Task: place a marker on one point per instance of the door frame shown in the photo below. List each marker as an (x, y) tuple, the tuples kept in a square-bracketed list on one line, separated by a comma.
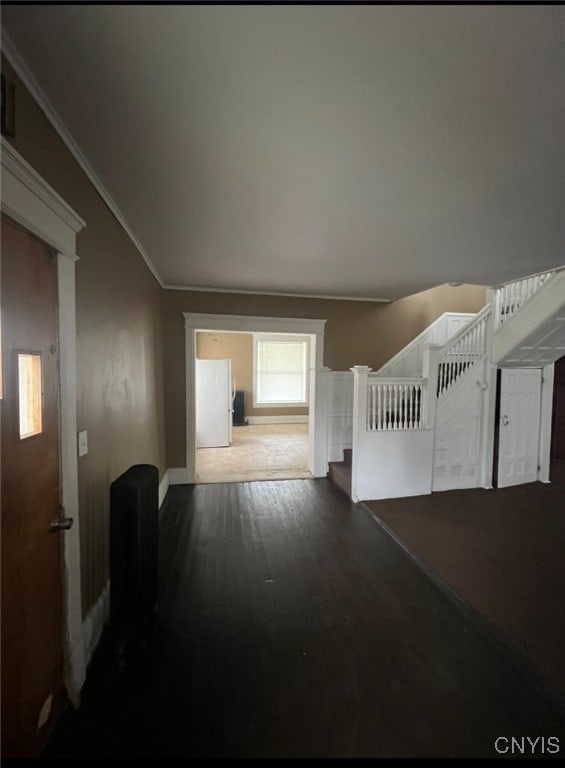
[(194, 322), (29, 200)]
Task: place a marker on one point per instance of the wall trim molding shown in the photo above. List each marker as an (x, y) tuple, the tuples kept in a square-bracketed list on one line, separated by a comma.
[(94, 623), (26, 76), (164, 487), (32, 202), (277, 419), (178, 476), (29, 200), (328, 297)]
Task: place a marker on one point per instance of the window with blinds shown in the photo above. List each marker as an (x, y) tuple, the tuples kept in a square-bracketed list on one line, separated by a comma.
[(281, 372)]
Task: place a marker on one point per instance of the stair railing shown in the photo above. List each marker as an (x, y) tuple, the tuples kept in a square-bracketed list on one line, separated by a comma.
[(408, 361), (394, 404), (464, 350), (511, 296)]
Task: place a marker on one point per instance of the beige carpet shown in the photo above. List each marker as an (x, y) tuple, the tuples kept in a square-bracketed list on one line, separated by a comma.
[(503, 551), (258, 452)]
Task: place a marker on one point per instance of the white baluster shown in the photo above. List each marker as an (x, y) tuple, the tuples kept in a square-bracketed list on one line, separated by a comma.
[(404, 403), (382, 406)]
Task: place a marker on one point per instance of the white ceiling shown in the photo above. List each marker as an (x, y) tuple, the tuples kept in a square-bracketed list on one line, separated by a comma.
[(367, 151)]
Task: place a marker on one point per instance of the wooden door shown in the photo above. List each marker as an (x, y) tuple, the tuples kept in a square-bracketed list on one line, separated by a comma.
[(32, 607), (519, 426)]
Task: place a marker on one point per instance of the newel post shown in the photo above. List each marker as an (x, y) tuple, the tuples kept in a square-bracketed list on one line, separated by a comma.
[(323, 404), (360, 394), (430, 371)]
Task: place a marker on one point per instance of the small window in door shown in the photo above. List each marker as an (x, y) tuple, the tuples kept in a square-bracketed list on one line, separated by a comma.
[(30, 400)]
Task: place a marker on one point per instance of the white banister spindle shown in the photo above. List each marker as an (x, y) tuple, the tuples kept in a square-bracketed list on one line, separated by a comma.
[(511, 296), (394, 404), (404, 404), (463, 351)]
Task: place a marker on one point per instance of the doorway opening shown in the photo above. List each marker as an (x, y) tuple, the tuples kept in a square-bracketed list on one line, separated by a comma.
[(251, 397)]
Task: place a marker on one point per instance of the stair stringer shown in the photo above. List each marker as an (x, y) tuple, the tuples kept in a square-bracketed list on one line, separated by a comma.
[(534, 336)]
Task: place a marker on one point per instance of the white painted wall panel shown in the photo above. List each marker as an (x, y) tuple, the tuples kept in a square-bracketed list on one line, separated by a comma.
[(389, 465), (340, 418), (457, 451)]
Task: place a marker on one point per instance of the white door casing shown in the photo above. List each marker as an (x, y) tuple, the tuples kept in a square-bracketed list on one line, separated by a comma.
[(519, 429), (317, 456), (29, 200)]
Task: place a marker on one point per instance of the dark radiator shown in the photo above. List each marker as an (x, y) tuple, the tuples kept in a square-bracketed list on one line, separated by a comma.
[(134, 541), (239, 408)]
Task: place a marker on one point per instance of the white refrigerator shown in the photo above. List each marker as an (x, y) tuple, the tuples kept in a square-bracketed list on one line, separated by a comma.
[(215, 390)]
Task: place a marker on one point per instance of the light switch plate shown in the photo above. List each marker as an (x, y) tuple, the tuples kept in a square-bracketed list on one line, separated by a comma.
[(82, 443)]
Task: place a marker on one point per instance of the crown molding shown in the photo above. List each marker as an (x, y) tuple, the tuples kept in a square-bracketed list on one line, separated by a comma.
[(24, 73), (330, 297)]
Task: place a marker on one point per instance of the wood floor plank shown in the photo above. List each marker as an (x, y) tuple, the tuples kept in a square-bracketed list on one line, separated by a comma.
[(292, 625)]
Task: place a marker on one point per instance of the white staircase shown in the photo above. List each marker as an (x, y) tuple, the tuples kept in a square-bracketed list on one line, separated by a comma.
[(425, 420)]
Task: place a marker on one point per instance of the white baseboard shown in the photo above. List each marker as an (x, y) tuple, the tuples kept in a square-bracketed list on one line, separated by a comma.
[(178, 476), (75, 671), (95, 622), (163, 487), (277, 419)]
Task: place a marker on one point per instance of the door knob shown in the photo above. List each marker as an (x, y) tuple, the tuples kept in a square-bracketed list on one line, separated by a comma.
[(61, 524), (505, 420)]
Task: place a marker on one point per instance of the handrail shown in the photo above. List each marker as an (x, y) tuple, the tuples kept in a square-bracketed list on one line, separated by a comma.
[(420, 340), (527, 277), (462, 352), (479, 317)]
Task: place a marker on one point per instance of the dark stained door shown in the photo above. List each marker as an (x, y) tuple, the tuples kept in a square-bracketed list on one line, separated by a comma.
[(557, 470), (32, 607)]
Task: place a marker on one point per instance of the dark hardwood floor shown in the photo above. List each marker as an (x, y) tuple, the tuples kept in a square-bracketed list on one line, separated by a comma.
[(291, 625)]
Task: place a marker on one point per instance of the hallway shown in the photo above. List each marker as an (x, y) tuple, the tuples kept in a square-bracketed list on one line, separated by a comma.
[(292, 625)]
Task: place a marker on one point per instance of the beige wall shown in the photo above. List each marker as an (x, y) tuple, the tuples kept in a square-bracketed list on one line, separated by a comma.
[(357, 333), (238, 347), (119, 341)]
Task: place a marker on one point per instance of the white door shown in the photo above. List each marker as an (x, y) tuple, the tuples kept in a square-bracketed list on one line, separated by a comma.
[(520, 404), (213, 403)]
